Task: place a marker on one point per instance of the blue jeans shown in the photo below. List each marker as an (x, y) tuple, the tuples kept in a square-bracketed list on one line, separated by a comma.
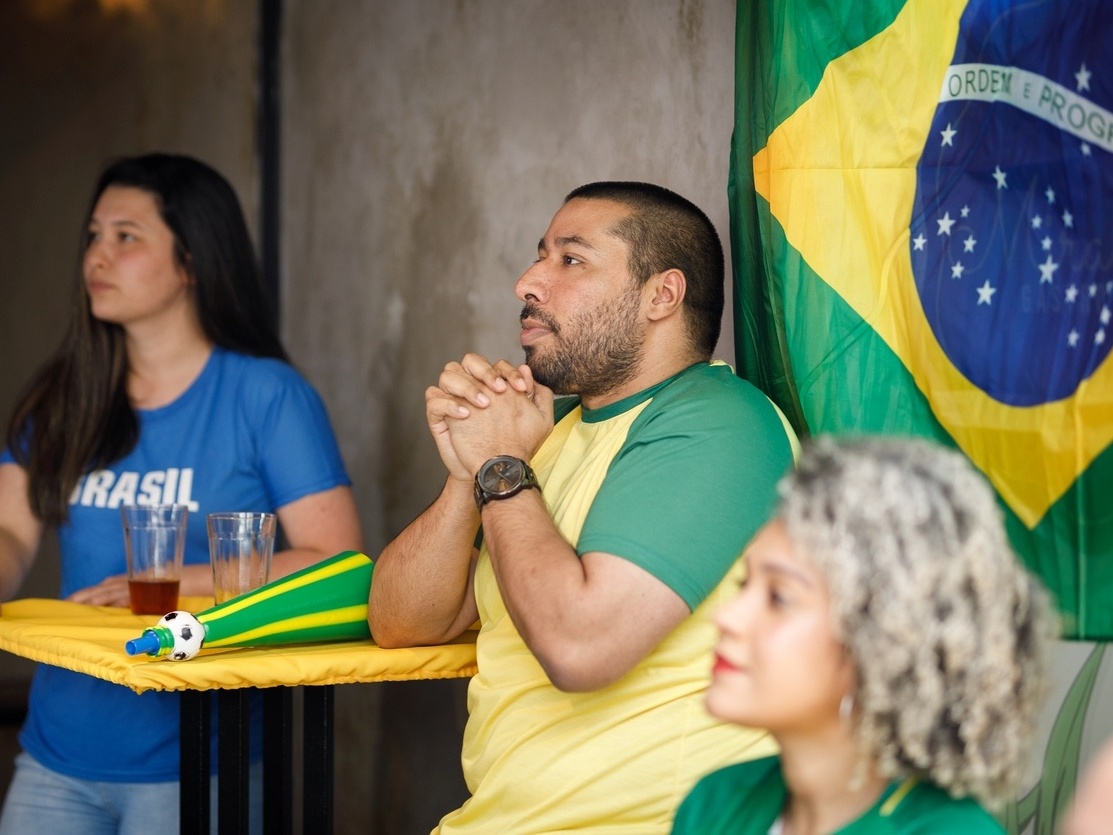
[(44, 802)]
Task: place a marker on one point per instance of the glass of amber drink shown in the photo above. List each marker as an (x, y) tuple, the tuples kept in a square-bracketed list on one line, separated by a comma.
[(154, 538)]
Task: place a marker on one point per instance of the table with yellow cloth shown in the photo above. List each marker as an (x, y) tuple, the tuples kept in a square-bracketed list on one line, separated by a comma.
[(90, 639)]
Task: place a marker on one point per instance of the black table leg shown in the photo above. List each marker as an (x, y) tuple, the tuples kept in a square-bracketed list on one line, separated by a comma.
[(318, 774), (234, 760), (193, 758), (278, 760), (234, 765)]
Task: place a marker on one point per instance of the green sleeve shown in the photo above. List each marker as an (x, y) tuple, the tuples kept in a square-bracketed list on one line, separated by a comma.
[(694, 480)]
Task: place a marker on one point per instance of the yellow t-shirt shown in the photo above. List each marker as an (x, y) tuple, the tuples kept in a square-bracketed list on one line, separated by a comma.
[(620, 759)]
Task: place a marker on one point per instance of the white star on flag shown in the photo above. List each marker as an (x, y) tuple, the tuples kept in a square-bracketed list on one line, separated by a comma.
[(1047, 270), (1083, 78), (985, 293), (945, 224)]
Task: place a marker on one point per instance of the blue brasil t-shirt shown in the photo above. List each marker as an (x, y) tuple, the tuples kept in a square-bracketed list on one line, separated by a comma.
[(249, 434)]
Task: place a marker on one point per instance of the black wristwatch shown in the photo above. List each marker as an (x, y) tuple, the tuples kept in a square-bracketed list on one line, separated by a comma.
[(502, 477)]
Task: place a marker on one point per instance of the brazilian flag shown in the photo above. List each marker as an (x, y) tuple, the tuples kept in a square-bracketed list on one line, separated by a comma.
[(922, 227)]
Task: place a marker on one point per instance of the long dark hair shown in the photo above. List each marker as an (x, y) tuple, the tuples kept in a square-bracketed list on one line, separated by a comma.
[(75, 415)]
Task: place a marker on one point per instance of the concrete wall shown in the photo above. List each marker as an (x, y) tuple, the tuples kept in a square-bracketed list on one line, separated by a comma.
[(425, 146)]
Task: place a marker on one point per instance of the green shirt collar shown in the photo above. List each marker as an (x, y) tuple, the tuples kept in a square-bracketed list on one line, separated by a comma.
[(625, 404)]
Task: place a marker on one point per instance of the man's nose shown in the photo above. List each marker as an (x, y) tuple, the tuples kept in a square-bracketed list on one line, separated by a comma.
[(531, 285)]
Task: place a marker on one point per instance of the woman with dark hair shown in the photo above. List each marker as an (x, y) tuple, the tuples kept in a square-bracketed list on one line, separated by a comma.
[(891, 643), (171, 386)]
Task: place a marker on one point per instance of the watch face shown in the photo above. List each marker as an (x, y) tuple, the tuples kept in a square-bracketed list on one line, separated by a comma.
[(501, 474)]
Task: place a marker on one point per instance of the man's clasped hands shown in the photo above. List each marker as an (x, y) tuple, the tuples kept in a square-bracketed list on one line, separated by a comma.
[(479, 410)]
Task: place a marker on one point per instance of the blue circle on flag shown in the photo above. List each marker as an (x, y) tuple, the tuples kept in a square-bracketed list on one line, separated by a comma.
[(1010, 238)]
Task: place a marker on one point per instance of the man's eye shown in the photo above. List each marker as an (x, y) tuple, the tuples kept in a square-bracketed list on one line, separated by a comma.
[(571, 260)]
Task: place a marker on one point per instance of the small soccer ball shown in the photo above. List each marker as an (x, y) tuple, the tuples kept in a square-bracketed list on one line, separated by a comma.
[(188, 633)]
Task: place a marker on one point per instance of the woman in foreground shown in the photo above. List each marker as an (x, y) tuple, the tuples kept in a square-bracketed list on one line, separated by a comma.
[(890, 642)]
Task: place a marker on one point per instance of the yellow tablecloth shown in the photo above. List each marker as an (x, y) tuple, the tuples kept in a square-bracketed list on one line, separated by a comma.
[(90, 639)]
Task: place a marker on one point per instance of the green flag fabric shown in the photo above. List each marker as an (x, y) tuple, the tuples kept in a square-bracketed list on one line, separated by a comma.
[(922, 234)]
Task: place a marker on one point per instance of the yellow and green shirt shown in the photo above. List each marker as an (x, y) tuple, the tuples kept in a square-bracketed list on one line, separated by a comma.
[(676, 479)]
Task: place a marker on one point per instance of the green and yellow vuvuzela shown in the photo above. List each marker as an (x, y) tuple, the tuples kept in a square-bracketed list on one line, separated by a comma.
[(324, 602)]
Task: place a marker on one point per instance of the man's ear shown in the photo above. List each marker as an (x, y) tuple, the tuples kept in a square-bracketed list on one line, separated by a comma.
[(665, 292)]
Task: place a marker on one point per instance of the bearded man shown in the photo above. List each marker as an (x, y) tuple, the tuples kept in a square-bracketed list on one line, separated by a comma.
[(612, 517)]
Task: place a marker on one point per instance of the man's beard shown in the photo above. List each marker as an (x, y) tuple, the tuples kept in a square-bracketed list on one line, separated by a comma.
[(592, 354)]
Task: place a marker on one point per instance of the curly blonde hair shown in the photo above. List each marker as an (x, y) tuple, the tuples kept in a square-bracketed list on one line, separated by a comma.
[(946, 628)]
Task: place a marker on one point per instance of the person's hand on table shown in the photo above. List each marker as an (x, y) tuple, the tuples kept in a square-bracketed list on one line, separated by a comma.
[(111, 591)]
